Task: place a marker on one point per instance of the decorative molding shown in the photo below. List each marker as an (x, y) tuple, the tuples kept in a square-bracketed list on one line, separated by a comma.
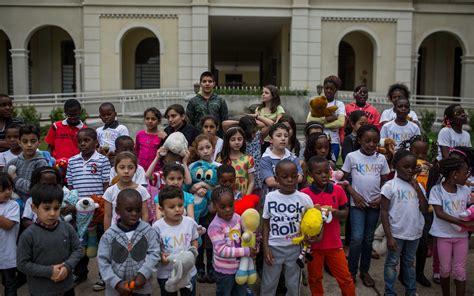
[(139, 15), (467, 60), (358, 19)]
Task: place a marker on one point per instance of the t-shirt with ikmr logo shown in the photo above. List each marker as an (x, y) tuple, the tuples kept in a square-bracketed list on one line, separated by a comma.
[(285, 213)]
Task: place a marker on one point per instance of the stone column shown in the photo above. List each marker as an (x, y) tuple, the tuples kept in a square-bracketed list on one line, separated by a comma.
[(467, 85), (79, 56), (299, 48), (414, 78), (200, 39), (20, 71)]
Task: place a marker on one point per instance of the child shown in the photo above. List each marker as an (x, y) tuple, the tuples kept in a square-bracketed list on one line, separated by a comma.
[(332, 123), (449, 197), (357, 119), (12, 136), (176, 233), (396, 91), (318, 144), (361, 94), (6, 111), (329, 247), (282, 213), (210, 127), (177, 123), (402, 205), (401, 128), (111, 130), (225, 233), (27, 161), (174, 176), (137, 241), (89, 171), (147, 141), (206, 102), (233, 153), (270, 108), (49, 249), (61, 137), (452, 134), (125, 166), (9, 227), (368, 171), (309, 129), (293, 143), (226, 176), (279, 134), (125, 143)]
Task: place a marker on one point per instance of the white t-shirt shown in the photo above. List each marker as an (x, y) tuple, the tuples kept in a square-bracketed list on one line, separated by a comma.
[(285, 213), (449, 138), (5, 157), (28, 211), (366, 171), (399, 133), (139, 177), (389, 115), (341, 110), (111, 194), (218, 148), (108, 136), (453, 204), (173, 239), (10, 210), (406, 220)]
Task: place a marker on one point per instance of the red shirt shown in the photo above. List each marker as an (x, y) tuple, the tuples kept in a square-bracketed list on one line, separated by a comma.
[(333, 196), (63, 138), (371, 112)]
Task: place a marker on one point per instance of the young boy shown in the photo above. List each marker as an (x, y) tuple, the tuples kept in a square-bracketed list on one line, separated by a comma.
[(61, 137), (329, 249), (29, 160), (129, 250), (125, 143), (279, 135), (176, 233), (12, 136), (226, 177), (49, 249), (206, 102), (282, 213), (6, 110), (111, 130)]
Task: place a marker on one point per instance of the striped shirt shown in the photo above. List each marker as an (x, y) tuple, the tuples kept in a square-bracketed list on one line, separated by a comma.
[(88, 176), (226, 239)]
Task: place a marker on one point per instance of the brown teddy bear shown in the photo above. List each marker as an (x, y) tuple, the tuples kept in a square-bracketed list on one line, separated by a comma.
[(319, 107)]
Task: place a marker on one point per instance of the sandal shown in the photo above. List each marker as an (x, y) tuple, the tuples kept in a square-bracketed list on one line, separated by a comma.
[(367, 280)]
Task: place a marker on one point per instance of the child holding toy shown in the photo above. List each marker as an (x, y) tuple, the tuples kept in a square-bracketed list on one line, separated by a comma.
[(329, 250), (111, 130), (282, 213), (176, 233), (129, 274)]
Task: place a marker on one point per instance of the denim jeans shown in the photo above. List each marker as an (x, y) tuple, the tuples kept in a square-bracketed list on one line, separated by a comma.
[(226, 285), (182, 292), (335, 150), (363, 224), (406, 249), (9, 281)]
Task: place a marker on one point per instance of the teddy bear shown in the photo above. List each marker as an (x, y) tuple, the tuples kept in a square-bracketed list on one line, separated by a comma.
[(180, 277), (387, 147), (246, 274), (310, 226), (176, 143), (319, 107), (467, 215), (70, 198)]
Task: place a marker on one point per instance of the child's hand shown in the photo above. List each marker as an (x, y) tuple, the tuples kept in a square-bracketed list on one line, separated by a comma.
[(358, 201), (68, 209), (391, 244), (201, 192), (268, 255), (63, 273), (252, 253), (164, 258), (375, 204), (122, 288), (160, 151), (186, 155), (56, 272), (140, 281)]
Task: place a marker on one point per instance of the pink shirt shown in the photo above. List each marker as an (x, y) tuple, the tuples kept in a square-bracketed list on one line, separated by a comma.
[(370, 111), (146, 146)]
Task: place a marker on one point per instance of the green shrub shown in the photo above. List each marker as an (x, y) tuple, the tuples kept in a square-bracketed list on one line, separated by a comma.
[(427, 120), (58, 114), (30, 115), (257, 91), (471, 120)]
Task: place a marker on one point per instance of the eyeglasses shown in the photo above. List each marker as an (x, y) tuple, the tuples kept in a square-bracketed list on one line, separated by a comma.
[(72, 116)]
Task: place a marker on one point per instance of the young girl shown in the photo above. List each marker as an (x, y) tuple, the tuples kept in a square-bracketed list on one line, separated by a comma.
[(147, 141), (402, 205), (401, 128), (452, 134), (174, 175), (293, 143), (318, 144), (233, 153), (210, 127), (449, 197), (125, 166), (357, 119), (310, 128), (396, 91), (368, 171), (270, 108), (176, 115), (225, 234)]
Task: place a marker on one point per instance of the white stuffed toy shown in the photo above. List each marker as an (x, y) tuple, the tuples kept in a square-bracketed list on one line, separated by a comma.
[(176, 143), (85, 209), (70, 198), (180, 277)]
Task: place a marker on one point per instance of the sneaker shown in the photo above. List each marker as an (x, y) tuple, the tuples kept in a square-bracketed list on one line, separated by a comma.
[(99, 285), (79, 279), (201, 276), (436, 278), (211, 278)]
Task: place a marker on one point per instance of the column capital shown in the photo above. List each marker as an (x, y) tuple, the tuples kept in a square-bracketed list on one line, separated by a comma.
[(19, 53), (415, 58), (78, 53), (467, 60)]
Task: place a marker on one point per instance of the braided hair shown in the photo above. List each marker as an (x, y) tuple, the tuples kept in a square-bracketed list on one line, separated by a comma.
[(449, 114), (219, 191), (408, 144), (401, 153), (442, 169)]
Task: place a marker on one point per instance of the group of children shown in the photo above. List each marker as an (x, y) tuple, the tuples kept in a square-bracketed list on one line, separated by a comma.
[(153, 203)]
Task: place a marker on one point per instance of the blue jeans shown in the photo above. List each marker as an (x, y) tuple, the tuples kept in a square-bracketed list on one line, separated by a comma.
[(182, 292), (363, 224), (226, 285), (406, 249), (335, 150)]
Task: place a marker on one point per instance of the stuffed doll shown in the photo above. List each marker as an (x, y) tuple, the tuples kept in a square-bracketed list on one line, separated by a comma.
[(326, 212), (337, 177), (246, 274), (310, 226), (467, 215), (319, 107), (70, 198), (180, 277), (202, 171), (379, 245), (249, 201), (61, 166), (85, 209), (387, 147), (176, 143)]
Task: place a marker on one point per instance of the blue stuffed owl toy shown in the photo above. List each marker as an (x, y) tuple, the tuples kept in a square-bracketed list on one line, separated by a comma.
[(202, 171)]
